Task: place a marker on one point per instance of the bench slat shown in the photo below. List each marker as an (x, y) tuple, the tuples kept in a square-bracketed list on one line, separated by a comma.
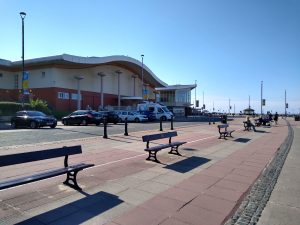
[(43, 175), (7, 160), (152, 137)]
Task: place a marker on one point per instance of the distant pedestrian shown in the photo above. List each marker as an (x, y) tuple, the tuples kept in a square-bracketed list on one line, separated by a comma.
[(276, 118)]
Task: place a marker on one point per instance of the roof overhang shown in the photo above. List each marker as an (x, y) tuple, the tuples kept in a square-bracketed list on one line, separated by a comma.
[(76, 62)]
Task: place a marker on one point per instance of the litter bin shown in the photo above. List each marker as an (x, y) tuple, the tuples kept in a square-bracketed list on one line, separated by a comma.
[(297, 118)]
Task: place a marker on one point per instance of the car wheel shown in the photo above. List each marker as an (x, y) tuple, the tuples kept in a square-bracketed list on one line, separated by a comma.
[(33, 125), (163, 118), (137, 120), (84, 123), (98, 123), (13, 125), (120, 120), (53, 126), (65, 122)]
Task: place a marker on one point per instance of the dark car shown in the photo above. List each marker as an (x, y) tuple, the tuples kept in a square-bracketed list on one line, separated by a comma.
[(32, 119), (151, 116), (83, 117), (111, 116)]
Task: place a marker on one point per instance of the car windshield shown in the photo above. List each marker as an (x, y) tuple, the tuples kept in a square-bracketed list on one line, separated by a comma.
[(165, 109), (35, 113)]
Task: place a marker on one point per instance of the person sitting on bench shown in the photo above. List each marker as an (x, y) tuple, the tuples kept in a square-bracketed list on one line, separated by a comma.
[(250, 123)]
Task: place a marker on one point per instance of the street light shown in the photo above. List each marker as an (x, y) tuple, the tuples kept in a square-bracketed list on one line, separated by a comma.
[(119, 97), (23, 15), (101, 75), (142, 76), (78, 78)]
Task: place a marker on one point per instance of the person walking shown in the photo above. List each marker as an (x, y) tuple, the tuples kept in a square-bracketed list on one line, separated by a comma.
[(276, 118)]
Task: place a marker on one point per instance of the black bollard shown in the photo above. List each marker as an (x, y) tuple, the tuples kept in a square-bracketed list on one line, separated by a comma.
[(172, 128), (105, 127), (126, 130), (161, 129)]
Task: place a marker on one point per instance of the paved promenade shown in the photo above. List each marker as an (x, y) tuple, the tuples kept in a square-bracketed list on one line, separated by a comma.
[(205, 186)]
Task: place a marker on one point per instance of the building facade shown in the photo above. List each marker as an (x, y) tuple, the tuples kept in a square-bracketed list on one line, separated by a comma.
[(62, 80)]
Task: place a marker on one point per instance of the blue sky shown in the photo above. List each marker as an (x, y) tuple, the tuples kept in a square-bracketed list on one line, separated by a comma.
[(229, 46)]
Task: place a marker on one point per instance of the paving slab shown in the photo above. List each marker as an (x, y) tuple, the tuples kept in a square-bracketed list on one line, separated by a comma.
[(204, 186)]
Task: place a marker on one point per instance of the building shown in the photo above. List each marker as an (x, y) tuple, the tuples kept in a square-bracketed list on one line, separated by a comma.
[(176, 97), (70, 82)]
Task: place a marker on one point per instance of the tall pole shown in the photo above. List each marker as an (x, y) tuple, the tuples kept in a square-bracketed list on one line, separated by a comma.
[(261, 97), (195, 93), (23, 15), (285, 103), (249, 102), (229, 106), (101, 75), (142, 76), (203, 99), (119, 96)]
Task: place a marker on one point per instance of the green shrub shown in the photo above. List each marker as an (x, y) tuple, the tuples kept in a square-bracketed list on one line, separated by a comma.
[(10, 108), (59, 114)]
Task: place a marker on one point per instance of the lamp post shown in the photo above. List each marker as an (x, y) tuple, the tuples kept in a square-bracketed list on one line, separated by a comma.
[(261, 97), (78, 78), (142, 76), (101, 75), (119, 97), (285, 105), (23, 15)]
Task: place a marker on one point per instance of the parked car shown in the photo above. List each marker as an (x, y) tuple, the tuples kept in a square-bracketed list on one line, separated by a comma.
[(150, 115), (132, 116), (111, 116), (32, 119), (83, 117)]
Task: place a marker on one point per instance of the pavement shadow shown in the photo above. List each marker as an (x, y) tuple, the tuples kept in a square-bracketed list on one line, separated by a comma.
[(261, 131), (187, 164), (242, 140), (77, 212)]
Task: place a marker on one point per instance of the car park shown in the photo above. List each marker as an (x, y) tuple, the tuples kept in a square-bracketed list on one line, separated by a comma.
[(132, 116), (32, 119), (83, 117)]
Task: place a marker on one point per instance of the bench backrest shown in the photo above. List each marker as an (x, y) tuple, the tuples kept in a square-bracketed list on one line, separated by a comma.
[(152, 137), (6, 160), (223, 126)]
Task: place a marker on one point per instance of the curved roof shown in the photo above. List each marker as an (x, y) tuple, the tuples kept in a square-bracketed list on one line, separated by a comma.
[(78, 62)]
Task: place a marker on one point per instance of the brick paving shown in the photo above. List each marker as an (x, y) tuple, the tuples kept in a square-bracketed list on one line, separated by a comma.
[(204, 186)]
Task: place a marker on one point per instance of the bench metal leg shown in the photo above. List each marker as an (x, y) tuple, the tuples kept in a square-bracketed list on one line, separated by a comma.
[(174, 150), (152, 155), (71, 176)]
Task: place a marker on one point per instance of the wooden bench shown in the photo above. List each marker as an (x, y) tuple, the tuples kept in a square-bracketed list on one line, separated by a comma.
[(19, 158), (153, 150), (223, 131), (247, 125)]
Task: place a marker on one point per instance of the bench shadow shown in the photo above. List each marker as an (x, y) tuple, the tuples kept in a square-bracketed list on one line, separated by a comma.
[(242, 140), (261, 131), (77, 212), (187, 164)]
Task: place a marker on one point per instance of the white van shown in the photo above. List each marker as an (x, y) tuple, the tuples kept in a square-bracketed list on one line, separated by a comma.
[(160, 111)]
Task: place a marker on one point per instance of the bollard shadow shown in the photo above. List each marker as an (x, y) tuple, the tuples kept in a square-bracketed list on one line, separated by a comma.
[(77, 212), (261, 131), (187, 164), (189, 149), (242, 140)]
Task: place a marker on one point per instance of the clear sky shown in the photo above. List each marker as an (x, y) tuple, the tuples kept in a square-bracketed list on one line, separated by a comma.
[(229, 46)]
